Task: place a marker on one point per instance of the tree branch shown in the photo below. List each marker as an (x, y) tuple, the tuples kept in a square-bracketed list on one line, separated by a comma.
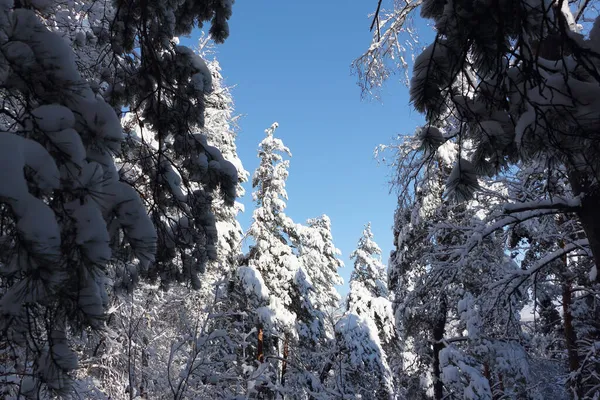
[(558, 203)]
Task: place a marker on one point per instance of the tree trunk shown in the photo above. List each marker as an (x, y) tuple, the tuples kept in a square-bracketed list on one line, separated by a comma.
[(438, 335), (570, 335), (286, 349), (569, 329), (260, 352), (145, 364), (488, 375), (501, 386), (589, 216), (589, 213)]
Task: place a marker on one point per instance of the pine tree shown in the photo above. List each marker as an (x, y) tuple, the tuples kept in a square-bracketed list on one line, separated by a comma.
[(270, 260), (75, 215), (314, 295), (173, 343), (368, 276), (369, 296), (220, 128), (366, 338), (289, 277), (457, 320), (514, 94), (271, 255), (495, 82)]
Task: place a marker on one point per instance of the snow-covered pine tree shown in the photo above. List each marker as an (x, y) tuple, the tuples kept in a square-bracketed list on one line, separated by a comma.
[(220, 127), (368, 279), (211, 362), (125, 66), (513, 93), (286, 285), (460, 324), (174, 343), (74, 223), (269, 269), (519, 89), (314, 296), (319, 259), (359, 369), (366, 340), (545, 249), (369, 296)]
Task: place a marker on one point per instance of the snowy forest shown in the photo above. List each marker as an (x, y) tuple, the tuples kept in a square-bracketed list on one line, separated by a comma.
[(125, 272)]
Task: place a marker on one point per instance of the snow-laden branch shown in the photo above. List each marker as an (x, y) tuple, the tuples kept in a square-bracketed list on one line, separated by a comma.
[(556, 203), (581, 244), (506, 220)]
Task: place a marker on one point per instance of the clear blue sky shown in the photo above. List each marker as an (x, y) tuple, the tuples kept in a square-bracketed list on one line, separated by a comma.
[(290, 62)]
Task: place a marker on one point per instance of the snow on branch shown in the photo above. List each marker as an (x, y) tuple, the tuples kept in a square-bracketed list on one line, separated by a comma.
[(557, 203), (523, 275)]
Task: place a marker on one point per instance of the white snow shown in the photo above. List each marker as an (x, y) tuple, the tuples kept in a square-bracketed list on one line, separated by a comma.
[(36, 221), (253, 282), (53, 117)]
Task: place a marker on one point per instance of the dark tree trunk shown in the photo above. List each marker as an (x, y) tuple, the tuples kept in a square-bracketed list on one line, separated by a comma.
[(570, 335), (488, 375), (568, 328), (589, 216), (589, 212), (438, 335), (286, 350)]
